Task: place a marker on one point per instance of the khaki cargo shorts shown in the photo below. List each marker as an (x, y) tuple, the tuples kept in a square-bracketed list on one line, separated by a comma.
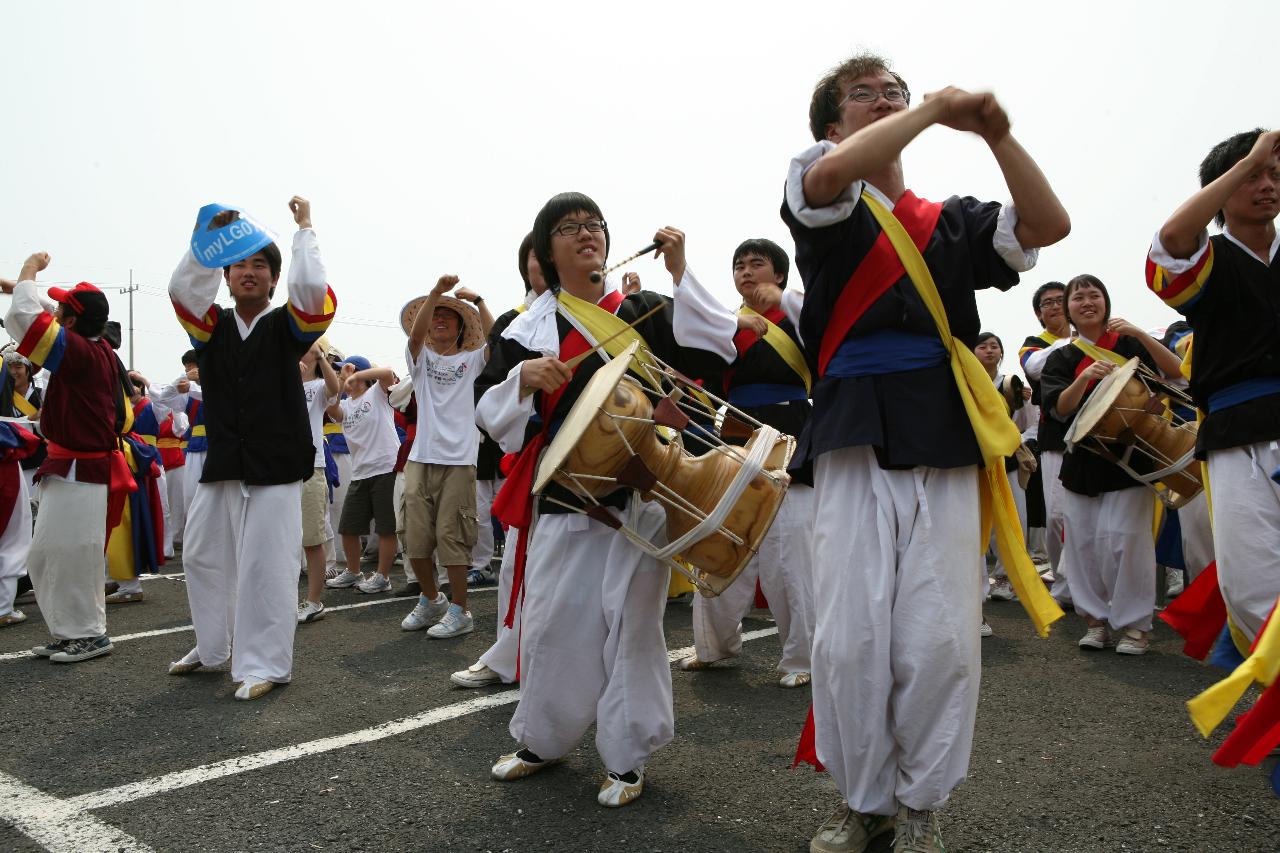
[(439, 514)]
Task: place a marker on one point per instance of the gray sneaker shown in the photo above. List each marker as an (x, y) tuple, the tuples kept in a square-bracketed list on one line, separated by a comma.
[(345, 580), (454, 624), (426, 612), (374, 584), (917, 832), (82, 649), (847, 831), (50, 649)]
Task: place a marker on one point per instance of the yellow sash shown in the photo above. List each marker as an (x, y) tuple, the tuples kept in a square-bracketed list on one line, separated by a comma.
[(784, 347), (23, 405), (603, 326), (1097, 353), (1048, 337), (997, 435)]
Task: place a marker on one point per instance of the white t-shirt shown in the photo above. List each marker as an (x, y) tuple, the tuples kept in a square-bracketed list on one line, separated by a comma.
[(370, 428), (445, 389), (313, 391)]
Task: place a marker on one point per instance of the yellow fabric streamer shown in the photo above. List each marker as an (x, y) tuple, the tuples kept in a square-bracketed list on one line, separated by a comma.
[(997, 435), (784, 347), (1211, 707), (120, 562)]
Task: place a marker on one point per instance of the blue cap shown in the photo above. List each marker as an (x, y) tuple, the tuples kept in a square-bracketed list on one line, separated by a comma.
[(359, 362), (233, 242)]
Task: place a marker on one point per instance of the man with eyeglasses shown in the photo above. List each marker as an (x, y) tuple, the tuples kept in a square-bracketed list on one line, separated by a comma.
[(896, 657), (1051, 434)]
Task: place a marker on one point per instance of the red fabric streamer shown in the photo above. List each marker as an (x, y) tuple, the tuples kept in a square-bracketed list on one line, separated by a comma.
[(1198, 614)]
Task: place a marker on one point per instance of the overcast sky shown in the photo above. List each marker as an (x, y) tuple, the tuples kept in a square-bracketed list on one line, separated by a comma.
[(428, 136)]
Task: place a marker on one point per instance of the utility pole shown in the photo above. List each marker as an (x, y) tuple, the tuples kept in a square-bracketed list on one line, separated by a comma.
[(131, 289)]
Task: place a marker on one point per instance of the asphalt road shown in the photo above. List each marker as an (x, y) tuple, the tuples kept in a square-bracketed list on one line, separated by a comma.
[(1074, 751)]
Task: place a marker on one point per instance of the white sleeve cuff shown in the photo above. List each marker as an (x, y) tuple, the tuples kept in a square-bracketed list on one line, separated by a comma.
[(193, 286), (818, 217), (503, 413), (1006, 244), (700, 321), (1177, 266)]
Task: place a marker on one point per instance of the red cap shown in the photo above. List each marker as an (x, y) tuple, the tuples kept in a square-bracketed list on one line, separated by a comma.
[(72, 297)]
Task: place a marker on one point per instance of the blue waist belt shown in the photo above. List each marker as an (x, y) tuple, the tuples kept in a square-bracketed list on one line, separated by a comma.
[(1243, 392), (889, 351), (765, 394)]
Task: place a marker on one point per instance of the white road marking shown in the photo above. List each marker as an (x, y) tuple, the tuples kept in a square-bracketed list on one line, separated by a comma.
[(59, 826), (178, 629), (245, 763)]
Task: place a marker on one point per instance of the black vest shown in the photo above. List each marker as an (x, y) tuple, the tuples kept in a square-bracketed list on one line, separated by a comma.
[(254, 412)]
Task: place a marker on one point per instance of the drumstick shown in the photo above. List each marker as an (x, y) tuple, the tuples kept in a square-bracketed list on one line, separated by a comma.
[(577, 359), (597, 277)]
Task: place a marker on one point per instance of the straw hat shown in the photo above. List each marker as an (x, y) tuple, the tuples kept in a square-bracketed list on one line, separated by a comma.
[(472, 333)]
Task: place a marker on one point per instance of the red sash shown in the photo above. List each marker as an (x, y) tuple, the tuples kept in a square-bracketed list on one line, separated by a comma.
[(513, 505), (118, 490), (745, 339), (880, 270), (1107, 341)]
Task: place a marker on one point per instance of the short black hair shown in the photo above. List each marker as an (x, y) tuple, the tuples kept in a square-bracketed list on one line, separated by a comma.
[(983, 337), (556, 208), (1086, 280), (274, 261), (189, 357), (526, 246), (1223, 156), (1041, 291), (824, 106), (766, 249)]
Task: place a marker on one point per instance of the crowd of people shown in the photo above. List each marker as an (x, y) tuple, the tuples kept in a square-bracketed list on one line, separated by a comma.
[(275, 452)]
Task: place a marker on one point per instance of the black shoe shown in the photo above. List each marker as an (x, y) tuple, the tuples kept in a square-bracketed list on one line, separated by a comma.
[(49, 650), (82, 649), (410, 588)]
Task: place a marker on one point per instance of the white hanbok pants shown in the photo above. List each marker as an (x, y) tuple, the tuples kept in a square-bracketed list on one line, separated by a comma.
[(1246, 531), (1020, 501), (176, 512), (1050, 468), (1110, 556), (784, 567), (1197, 535), (67, 557), (592, 648), (501, 656), (896, 661), (482, 551), (15, 543), (241, 561), (192, 471)]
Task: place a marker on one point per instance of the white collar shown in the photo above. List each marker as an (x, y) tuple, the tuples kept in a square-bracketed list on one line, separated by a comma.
[(535, 329), (1275, 244)]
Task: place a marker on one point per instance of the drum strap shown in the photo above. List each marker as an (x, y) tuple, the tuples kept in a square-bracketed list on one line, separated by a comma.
[(997, 435), (781, 342)]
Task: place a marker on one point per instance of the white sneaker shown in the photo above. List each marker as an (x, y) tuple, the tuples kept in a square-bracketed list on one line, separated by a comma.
[(455, 623), (616, 792), (795, 679), (375, 584), (917, 832), (985, 629), (425, 612), (1094, 638), (310, 611), (1173, 583), (1002, 590), (476, 675), (252, 688), (345, 580), (1133, 642)]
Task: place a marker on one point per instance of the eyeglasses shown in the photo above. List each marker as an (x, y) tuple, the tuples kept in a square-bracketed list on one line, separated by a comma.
[(1051, 302), (569, 229), (867, 95)]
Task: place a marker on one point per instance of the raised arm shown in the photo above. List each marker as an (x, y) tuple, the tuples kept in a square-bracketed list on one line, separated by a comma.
[(312, 303), (422, 322), (384, 376), (1166, 360), (30, 318), (1181, 234), (331, 384), (866, 152)]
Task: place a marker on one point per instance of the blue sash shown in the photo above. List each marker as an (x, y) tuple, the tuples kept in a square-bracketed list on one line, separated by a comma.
[(888, 351), (765, 394), (1243, 392)]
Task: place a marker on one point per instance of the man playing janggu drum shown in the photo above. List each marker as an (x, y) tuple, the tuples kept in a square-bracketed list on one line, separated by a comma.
[(591, 642), (897, 488)]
